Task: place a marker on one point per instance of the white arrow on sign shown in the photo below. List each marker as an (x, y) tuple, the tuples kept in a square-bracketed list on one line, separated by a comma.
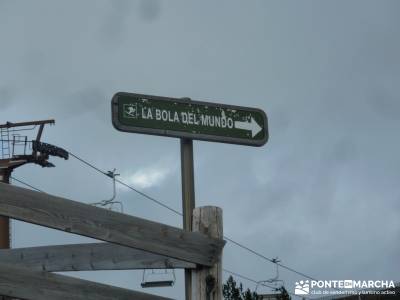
[(251, 126)]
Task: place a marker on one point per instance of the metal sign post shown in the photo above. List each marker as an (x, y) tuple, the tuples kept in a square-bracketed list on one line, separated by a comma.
[(188, 199)]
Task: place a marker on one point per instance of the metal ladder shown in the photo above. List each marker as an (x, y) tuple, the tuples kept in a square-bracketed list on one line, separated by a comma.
[(5, 142)]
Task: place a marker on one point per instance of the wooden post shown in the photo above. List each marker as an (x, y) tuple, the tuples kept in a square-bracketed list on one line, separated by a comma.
[(207, 282)]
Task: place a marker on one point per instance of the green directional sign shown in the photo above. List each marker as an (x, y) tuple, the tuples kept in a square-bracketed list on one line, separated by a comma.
[(184, 118)]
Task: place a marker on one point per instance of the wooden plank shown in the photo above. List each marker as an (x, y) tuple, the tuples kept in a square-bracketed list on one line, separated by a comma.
[(38, 285), (102, 224), (88, 257)]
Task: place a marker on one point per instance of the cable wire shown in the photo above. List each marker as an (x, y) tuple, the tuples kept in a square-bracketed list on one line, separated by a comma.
[(248, 278), (257, 282), (26, 184), (149, 197), (180, 214), (268, 259), (127, 185)]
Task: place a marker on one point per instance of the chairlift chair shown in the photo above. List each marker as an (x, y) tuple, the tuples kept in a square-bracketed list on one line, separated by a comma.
[(109, 203), (275, 280), (146, 283)]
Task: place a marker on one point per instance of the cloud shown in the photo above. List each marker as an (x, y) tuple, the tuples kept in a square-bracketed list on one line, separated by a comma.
[(76, 103), (150, 176), (6, 96), (114, 26)]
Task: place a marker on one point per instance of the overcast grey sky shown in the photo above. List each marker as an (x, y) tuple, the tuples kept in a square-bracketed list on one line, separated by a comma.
[(323, 195)]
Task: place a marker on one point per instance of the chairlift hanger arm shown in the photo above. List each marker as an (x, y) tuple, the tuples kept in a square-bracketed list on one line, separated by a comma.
[(111, 201)]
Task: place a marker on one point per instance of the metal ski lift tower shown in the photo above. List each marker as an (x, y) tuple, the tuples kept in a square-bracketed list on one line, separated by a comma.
[(17, 150)]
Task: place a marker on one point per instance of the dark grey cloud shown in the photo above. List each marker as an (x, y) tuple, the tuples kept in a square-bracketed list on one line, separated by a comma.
[(149, 10), (385, 101), (86, 101), (34, 62), (7, 95), (114, 26)]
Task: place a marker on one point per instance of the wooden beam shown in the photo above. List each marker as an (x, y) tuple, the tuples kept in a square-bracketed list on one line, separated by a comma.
[(102, 224), (88, 257), (35, 285)]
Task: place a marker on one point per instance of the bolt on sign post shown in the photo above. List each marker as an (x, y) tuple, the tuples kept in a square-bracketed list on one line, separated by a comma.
[(189, 120)]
